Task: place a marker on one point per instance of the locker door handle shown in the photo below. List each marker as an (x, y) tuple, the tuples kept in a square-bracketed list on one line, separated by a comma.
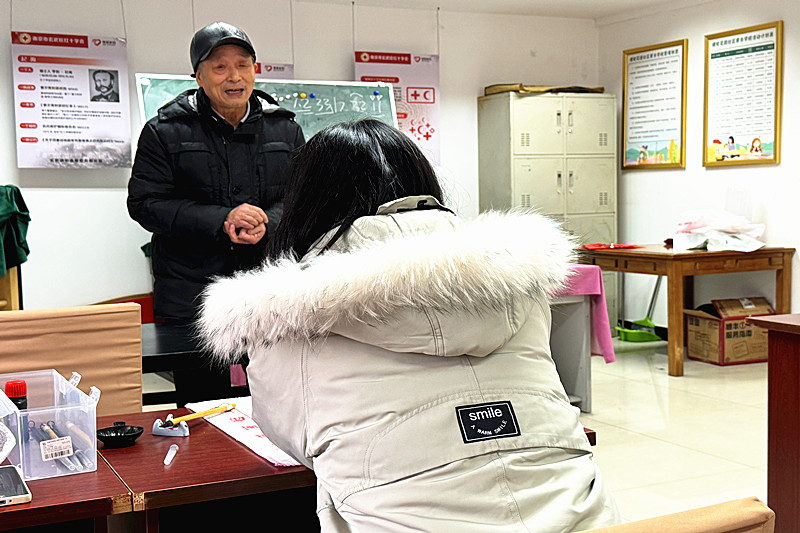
[(559, 181), (558, 118), (571, 180), (570, 119)]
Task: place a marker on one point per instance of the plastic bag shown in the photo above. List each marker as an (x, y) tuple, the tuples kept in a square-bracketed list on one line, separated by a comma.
[(717, 230)]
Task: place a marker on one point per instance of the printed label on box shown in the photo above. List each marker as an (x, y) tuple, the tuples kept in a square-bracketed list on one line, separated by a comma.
[(56, 448)]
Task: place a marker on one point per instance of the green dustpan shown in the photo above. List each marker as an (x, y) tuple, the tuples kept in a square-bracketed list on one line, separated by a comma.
[(643, 330), (636, 335)]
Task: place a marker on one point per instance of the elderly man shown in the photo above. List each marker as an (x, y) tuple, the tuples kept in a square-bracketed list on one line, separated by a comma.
[(104, 85), (209, 174)]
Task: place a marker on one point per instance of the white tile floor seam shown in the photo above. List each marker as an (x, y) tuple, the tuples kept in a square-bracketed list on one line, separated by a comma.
[(667, 444)]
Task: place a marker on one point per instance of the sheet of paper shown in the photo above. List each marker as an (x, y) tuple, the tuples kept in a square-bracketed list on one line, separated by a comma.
[(238, 424)]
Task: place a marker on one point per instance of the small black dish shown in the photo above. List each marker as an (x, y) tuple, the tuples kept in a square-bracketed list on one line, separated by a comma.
[(119, 435)]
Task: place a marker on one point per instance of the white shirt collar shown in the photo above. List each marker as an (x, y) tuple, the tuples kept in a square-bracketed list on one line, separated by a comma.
[(246, 113)]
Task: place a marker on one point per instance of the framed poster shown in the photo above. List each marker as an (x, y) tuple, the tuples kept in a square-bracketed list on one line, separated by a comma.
[(744, 82), (654, 106)]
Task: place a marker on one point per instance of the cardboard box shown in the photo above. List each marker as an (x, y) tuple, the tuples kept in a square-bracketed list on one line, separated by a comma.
[(65, 410), (727, 339)]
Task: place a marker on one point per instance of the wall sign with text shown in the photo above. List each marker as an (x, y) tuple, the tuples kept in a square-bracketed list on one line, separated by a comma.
[(743, 82), (654, 106), (71, 101), (415, 79)]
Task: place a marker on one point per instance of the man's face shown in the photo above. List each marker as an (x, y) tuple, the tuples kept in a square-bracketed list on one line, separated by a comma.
[(227, 77), (102, 82)]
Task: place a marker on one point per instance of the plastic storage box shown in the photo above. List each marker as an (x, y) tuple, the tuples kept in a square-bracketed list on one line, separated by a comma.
[(56, 433)]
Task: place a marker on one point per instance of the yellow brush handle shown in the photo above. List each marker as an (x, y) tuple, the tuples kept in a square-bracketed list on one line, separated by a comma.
[(215, 410)]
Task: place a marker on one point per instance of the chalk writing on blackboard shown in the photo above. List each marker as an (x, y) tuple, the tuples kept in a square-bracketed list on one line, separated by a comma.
[(316, 104)]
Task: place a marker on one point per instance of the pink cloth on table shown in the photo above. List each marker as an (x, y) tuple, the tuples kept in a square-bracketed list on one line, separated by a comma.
[(238, 376), (588, 280)]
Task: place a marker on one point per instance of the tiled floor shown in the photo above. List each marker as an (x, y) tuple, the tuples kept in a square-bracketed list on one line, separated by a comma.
[(667, 444)]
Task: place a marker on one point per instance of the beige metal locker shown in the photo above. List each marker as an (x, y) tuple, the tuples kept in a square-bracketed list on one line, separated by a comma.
[(556, 153)]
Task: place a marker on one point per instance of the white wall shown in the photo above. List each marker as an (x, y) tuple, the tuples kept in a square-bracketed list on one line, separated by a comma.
[(85, 249), (651, 201)]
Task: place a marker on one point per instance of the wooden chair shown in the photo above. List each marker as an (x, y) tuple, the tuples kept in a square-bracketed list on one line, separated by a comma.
[(103, 343), (10, 293), (747, 515)]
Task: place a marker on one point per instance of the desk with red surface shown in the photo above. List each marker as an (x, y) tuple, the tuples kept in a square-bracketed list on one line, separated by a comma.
[(209, 465), (88, 495), (783, 417)]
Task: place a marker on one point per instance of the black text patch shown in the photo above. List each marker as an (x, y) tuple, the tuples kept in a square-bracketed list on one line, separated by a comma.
[(483, 421)]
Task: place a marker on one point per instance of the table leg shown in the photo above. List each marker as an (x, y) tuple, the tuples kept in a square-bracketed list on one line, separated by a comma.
[(675, 302), (151, 520), (783, 287)]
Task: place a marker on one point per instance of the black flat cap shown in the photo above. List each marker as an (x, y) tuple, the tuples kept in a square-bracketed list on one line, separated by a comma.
[(217, 34)]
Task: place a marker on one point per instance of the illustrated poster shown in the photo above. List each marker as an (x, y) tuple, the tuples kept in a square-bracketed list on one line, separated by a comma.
[(742, 96), (655, 106), (415, 79), (71, 101)]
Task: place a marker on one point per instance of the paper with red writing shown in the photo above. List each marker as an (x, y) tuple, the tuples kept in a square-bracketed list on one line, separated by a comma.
[(238, 424)]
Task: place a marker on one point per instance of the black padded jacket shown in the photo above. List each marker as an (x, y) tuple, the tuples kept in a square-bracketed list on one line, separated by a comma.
[(191, 168)]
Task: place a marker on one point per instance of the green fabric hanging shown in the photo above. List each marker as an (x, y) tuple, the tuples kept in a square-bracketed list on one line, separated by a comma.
[(14, 219)]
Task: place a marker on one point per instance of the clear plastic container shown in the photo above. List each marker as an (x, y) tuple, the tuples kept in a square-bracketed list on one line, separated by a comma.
[(56, 434)]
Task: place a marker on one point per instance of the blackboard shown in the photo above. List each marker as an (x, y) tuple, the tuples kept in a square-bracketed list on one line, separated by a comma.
[(316, 103)]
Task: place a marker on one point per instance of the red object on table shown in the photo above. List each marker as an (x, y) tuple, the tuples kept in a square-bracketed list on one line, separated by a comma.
[(603, 246)]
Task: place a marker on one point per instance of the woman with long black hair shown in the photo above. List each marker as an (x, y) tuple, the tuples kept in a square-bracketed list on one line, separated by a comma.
[(403, 353)]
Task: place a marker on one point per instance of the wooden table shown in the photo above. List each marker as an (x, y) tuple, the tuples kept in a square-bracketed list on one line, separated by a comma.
[(209, 465), (783, 417), (680, 267), (92, 495)]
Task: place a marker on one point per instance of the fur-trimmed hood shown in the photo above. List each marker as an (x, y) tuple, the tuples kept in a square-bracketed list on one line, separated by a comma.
[(390, 273)]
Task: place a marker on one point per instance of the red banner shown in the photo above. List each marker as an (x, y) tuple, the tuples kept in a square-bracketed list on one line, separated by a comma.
[(383, 57), (49, 39)]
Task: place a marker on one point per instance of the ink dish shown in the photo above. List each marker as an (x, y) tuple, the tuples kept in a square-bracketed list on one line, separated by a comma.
[(120, 435)]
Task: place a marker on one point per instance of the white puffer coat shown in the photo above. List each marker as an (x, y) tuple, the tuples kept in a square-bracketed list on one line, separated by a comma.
[(410, 368)]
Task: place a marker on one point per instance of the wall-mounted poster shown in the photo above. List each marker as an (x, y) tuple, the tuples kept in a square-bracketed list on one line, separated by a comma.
[(415, 79), (743, 81), (71, 101), (654, 106)]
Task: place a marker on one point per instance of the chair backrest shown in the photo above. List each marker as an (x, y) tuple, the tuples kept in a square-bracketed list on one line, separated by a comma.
[(145, 300), (103, 343), (746, 515)]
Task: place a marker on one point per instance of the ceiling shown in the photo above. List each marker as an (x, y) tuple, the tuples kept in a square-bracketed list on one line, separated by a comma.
[(590, 9)]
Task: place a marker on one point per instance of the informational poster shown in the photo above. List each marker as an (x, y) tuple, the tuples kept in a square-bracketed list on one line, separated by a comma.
[(275, 71), (743, 96), (415, 79), (71, 101), (654, 106)]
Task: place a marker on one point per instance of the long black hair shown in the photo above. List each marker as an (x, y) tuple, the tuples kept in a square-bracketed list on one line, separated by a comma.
[(344, 172)]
